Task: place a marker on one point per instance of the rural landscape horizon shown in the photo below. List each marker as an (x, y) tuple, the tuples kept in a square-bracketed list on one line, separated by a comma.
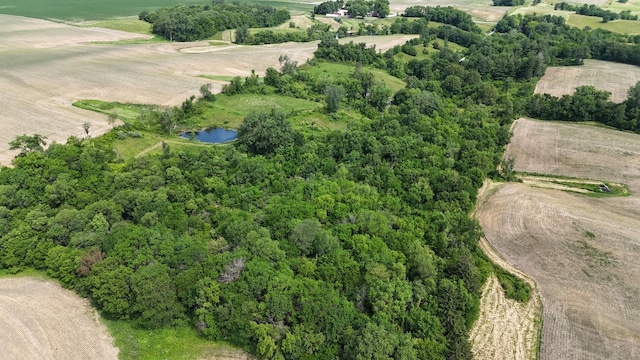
[(368, 179)]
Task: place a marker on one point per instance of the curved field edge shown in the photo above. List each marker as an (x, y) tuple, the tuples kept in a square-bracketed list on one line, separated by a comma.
[(41, 320), (505, 328), (109, 339)]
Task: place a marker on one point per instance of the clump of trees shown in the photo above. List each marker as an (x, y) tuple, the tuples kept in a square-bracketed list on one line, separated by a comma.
[(593, 10), (197, 22), (447, 15), (589, 104), (508, 2), (356, 8)]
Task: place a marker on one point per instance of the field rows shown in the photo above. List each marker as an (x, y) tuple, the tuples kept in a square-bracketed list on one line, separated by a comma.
[(41, 320), (581, 251)]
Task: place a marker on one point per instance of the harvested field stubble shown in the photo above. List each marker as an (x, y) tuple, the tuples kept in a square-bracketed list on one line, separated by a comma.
[(41, 320), (46, 66), (505, 329), (581, 251), (603, 75)]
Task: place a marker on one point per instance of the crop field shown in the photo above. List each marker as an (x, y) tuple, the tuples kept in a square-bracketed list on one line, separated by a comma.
[(505, 329), (581, 250), (604, 75), (45, 67), (70, 10), (41, 320)]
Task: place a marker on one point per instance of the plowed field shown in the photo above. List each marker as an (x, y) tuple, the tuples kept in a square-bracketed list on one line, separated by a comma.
[(581, 251), (603, 75), (41, 320)]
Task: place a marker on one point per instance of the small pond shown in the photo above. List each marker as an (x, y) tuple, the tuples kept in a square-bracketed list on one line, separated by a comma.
[(213, 135)]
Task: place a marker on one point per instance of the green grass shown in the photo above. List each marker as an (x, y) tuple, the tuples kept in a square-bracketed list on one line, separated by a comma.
[(74, 10), (514, 287), (592, 189), (20, 272), (229, 111), (618, 26), (217, 77), (172, 343), (334, 70), (125, 111), (426, 51), (129, 24)]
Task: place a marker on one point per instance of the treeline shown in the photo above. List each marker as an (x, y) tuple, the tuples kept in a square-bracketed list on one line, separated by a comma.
[(589, 104), (315, 32), (197, 22), (355, 8), (447, 15), (508, 2), (320, 31), (593, 10)]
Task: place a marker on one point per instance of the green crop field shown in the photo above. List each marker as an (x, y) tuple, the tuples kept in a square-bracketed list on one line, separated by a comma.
[(74, 10), (71, 10)]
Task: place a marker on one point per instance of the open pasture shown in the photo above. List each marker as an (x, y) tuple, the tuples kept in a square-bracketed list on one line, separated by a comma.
[(604, 75), (70, 10), (45, 67), (41, 320), (582, 251)]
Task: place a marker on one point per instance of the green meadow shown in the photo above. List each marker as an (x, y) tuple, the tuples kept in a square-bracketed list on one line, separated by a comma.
[(76, 10)]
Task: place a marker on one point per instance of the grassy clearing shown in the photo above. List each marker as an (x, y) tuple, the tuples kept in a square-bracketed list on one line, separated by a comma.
[(340, 71), (593, 188), (73, 10), (424, 52), (514, 287), (133, 25), (229, 111), (172, 343), (618, 26), (125, 111), (226, 112)]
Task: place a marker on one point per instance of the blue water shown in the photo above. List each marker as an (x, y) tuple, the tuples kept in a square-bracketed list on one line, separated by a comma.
[(214, 135)]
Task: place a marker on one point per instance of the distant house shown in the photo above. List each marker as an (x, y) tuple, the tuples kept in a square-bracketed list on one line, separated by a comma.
[(340, 13)]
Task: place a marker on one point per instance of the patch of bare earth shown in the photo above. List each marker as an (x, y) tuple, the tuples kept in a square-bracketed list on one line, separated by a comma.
[(505, 329), (581, 251), (41, 320), (603, 75), (46, 66)]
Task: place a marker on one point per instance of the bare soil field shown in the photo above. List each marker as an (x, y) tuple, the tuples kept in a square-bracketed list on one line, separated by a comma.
[(46, 66), (581, 251), (604, 75), (41, 320), (505, 329)]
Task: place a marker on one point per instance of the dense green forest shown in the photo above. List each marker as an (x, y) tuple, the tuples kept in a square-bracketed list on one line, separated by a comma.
[(352, 244)]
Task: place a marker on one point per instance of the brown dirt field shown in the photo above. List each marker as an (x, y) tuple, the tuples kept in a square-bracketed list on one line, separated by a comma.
[(46, 66), (505, 329), (604, 75), (41, 320), (581, 251)]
